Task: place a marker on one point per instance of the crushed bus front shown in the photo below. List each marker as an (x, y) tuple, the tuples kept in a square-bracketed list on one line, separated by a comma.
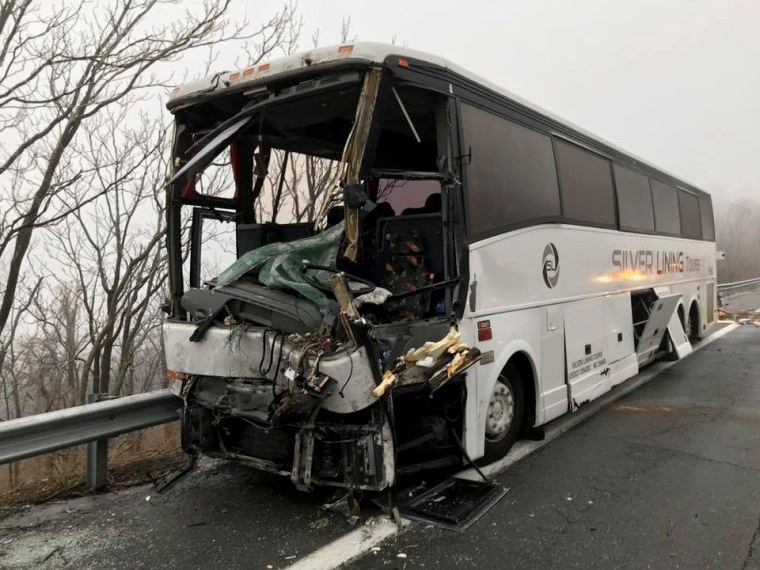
[(329, 350)]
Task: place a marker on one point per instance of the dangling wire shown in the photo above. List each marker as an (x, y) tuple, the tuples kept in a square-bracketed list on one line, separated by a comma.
[(264, 352), (350, 372)]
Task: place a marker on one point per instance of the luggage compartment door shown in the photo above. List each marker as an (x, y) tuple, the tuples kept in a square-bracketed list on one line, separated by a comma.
[(586, 350), (662, 312), (553, 381), (678, 337)]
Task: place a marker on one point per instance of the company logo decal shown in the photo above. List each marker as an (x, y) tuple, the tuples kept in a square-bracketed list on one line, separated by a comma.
[(551, 266), (654, 262)]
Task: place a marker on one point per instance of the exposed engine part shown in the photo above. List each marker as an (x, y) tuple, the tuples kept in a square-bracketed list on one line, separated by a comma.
[(243, 352)]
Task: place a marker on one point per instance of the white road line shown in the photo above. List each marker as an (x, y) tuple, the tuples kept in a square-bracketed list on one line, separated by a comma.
[(350, 546), (362, 540)]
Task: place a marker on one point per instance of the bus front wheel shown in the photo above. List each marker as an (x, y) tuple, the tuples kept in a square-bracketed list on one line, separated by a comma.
[(504, 416)]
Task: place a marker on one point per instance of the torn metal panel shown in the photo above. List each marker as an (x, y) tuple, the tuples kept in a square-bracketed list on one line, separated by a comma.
[(354, 152), (678, 336), (252, 353), (651, 337), (343, 295), (454, 504), (681, 343), (434, 363)]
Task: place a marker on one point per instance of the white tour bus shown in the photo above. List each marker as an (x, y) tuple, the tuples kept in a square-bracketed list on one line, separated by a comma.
[(481, 267)]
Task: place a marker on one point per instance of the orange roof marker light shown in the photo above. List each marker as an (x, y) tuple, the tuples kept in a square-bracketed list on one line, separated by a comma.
[(402, 62), (234, 76), (264, 67), (248, 72), (346, 49)]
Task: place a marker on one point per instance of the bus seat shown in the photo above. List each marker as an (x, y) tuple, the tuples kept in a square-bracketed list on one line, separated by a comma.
[(409, 256), (433, 205), (253, 236)]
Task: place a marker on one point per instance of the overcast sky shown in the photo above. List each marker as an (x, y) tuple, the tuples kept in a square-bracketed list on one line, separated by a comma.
[(676, 82)]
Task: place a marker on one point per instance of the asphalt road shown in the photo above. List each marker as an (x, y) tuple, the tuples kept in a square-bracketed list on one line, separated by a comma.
[(666, 477), (222, 515)]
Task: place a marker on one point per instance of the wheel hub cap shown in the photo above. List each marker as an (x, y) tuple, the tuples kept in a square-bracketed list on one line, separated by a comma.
[(501, 410)]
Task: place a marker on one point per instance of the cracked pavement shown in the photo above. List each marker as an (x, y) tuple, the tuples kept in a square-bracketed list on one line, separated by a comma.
[(666, 477)]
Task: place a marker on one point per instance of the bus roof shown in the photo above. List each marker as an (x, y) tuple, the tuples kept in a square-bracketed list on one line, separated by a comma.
[(220, 83)]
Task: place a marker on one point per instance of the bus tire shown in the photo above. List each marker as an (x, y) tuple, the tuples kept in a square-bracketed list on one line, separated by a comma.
[(504, 416), (692, 323)]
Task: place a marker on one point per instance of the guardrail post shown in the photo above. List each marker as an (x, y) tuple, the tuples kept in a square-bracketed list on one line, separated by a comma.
[(97, 454)]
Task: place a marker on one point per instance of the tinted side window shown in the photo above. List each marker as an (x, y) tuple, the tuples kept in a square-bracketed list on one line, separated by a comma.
[(511, 177), (666, 218), (586, 185), (688, 206), (634, 199), (706, 214)]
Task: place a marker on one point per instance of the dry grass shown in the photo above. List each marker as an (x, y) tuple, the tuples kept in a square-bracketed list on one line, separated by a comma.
[(133, 460)]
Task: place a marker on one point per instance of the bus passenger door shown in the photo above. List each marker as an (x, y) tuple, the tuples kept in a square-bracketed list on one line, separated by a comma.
[(553, 386), (588, 374)]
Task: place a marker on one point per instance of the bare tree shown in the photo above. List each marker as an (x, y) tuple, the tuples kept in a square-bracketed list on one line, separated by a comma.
[(114, 259), (9, 377), (299, 187), (60, 67), (82, 164), (737, 225)]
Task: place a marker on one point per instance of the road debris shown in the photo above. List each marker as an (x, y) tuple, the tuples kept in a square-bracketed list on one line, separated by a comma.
[(323, 522), (57, 549)]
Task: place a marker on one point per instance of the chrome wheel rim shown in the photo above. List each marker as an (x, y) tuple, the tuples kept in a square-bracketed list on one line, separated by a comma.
[(501, 411)]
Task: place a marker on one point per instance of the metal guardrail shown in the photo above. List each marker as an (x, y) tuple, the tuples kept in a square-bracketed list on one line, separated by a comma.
[(738, 286), (91, 423)]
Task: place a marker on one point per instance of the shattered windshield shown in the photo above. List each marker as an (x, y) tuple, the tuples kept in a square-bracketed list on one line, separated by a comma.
[(333, 173)]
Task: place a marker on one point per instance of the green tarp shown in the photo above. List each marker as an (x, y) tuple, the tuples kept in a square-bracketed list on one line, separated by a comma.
[(280, 264)]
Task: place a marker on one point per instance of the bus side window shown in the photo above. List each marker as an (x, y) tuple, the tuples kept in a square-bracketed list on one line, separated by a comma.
[(511, 176), (666, 217), (688, 205), (585, 182), (634, 199), (706, 215)]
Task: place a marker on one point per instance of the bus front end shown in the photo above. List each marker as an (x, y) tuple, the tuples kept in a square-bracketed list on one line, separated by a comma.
[(328, 349)]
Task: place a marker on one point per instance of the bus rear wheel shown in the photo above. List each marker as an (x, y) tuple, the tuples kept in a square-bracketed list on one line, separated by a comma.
[(504, 416), (692, 324)]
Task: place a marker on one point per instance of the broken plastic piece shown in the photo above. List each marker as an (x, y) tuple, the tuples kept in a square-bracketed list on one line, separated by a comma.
[(388, 379), (434, 349), (459, 363), (347, 506), (376, 297)]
